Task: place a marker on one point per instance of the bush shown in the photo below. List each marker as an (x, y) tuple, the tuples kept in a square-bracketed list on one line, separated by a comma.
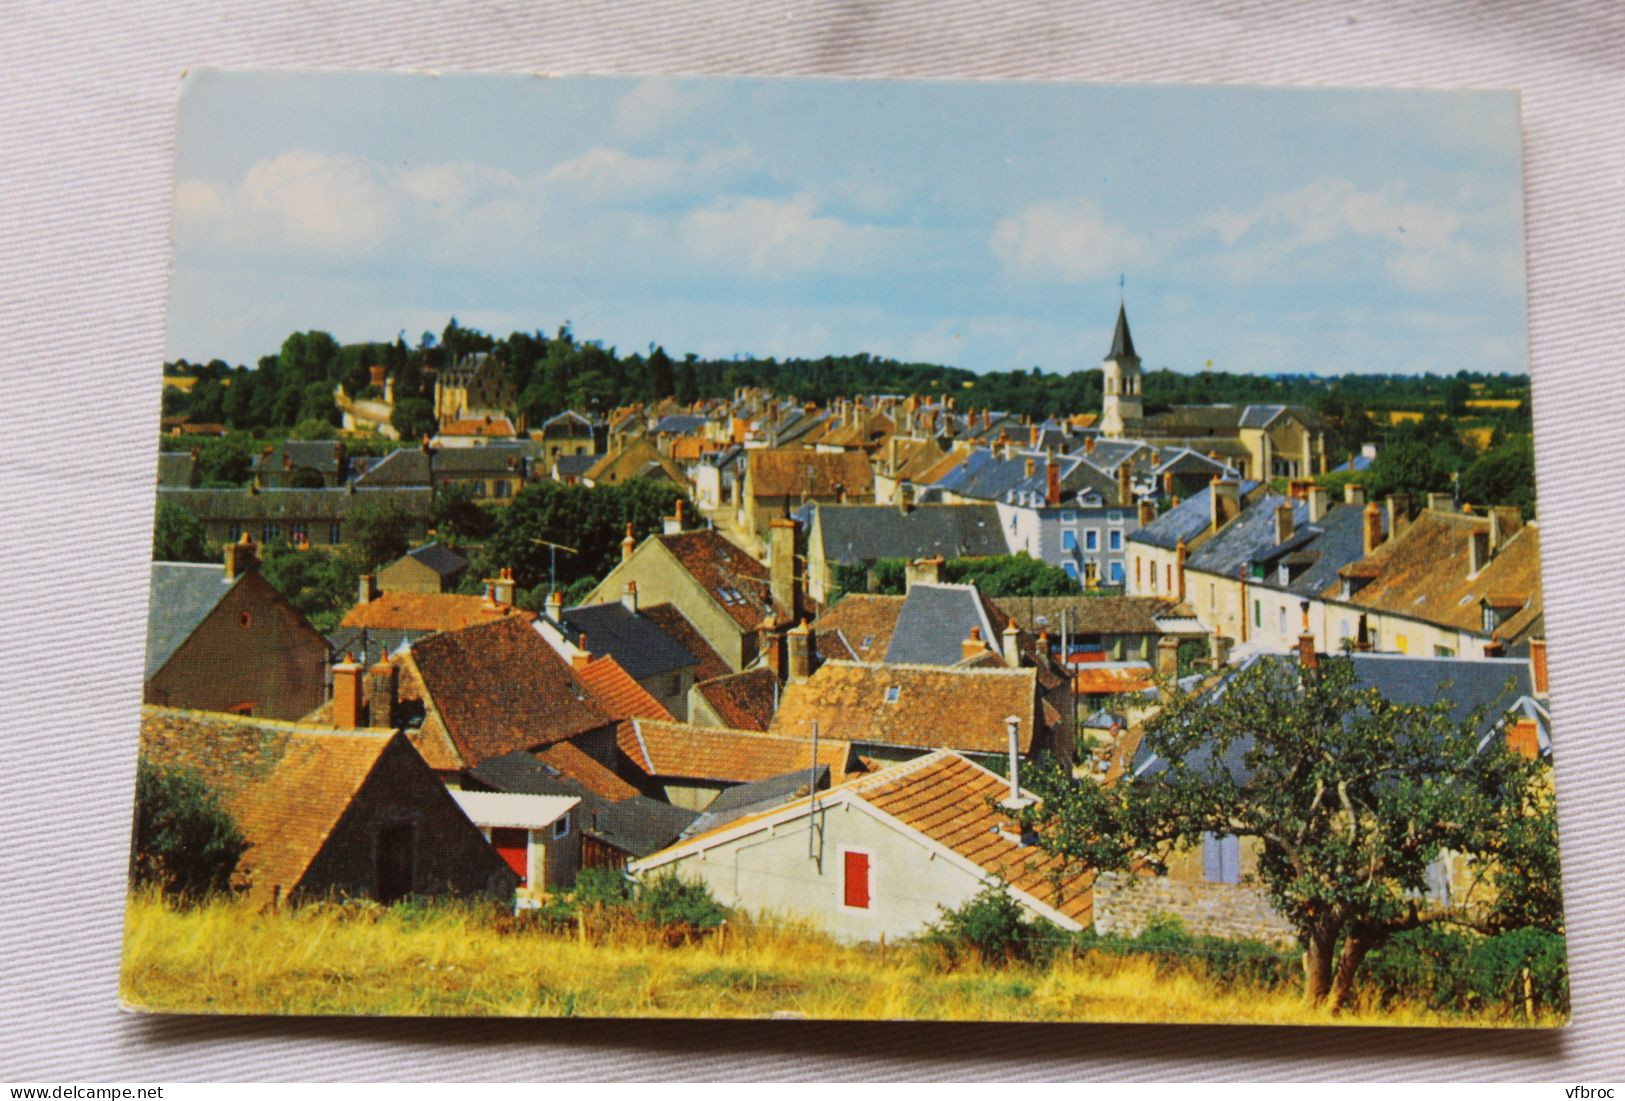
[(602, 887), (992, 926), (185, 842), (1219, 960), (668, 900), (1461, 970)]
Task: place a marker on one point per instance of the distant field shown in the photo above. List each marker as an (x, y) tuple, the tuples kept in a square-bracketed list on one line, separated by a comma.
[(1397, 416), (1478, 438), (227, 958), (1494, 403)]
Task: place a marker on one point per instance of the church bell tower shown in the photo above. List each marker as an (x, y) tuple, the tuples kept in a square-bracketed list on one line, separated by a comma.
[(1122, 408)]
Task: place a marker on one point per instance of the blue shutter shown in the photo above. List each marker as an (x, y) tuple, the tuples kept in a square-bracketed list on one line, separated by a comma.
[(1212, 863)]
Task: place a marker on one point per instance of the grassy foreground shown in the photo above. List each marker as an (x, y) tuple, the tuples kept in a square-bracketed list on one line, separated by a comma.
[(225, 957)]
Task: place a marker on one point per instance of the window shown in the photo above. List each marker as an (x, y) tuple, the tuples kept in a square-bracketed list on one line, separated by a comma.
[(1221, 858), (1137, 575), (502, 488), (245, 620), (1071, 569), (1115, 516), (269, 532), (333, 533), (561, 828), (1212, 597), (1091, 540), (1115, 540), (1116, 571), (855, 879), (893, 692), (1170, 569), (1343, 630), (1258, 614), (234, 532), (1281, 620), (1069, 542), (1443, 652), (297, 533), (1068, 516)]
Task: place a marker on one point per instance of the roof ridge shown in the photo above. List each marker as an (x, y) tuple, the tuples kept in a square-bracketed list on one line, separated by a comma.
[(922, 667), (296, 726)]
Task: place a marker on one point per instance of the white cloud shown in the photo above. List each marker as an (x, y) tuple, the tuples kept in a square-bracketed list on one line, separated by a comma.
[(604, 176), (656, 104), (1067, 242), (781, 237)]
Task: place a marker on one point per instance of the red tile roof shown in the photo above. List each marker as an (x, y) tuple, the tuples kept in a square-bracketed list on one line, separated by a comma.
[(857, 627), (732, 578), (744, 701), (426, 612), (798, 473), (731, 756), (572, 761), (616, 693), (479, 426), (1097, 677), (499, 687)]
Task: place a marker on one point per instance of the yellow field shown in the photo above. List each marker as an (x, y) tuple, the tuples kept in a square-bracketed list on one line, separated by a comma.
[(1477, 438), (1401, 416), (227, 958), (1493, 403)]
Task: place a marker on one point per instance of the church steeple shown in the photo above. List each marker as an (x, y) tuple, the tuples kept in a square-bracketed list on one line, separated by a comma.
[(1122, 342)]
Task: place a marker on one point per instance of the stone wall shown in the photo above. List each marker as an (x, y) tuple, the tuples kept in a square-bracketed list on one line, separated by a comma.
[(1125, 904)]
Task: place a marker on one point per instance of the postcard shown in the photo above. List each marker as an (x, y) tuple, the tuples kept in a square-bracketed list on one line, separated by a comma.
[(847, 550)]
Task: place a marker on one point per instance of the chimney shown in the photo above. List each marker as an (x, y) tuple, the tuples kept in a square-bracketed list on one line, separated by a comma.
[(972, 646), (629, 599), (1033, 435), (1505, 522), (581, 656), (673, 525), (1167, 483), (782, 565), (1148, 511), (1089, 445), (1283, 522), (1011, 643), (1442, 502), (1031, 466), (347, 709), (628, 544), (1224, 499), (926, 570), (1372, 528), (904, 505), (1012, 727), (366, 589), (1168, 665), (1320, 502), (554, 606), (500, 589), (1523, 738), (1307, 657), (241, 557), (1537, 668), (1125, 484), (1479, 551), (1399, 512), (798, 644), (383, 690), (1353, 493), (1052, 482), (1181, 552)]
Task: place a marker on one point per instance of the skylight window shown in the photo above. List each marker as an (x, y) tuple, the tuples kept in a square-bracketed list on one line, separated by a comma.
[(868, 641), (893, 693)]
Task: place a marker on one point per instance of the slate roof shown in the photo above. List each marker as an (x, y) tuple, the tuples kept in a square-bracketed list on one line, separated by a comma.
[(683, 751), (681, 424), (492, 461), (1098, 615), (708, 664), (864, 533), (741, 800), (180, 595), (1187, 520), (985, 476), (574, 466), (1423, 574), (405, 466), (326, 456), (798, 474), (743, 701), (935, 620), (288, 504), (1466, 683), (1230, 550), (372, 643), (439, 558), (858, 627), (729, 576), (286, 784), (176, 469), (614, 690), (498, 687), (638, 645), (426, 612), (1319, 551), (1122, 341), (935, 707)]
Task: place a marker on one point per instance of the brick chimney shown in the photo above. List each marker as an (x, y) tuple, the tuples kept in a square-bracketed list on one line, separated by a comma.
[(383, 691), (1052, 481), (1353, 493), (1181, 552), (1505, 522), (500, 589), (972, 646), (580, 656), (782, 566), (1320, 502), (1537, 668), (366, 589), (1033, 435), (1283, 522), (348, 712), (1010, 642), (1148, 511), (1089, 445), (798, 644), (629, 598), (1307, 657), (1031, 466), (553, 607), (376, 374), (1125, 484), (1523, 738), (1399, 512), (1224, 501), (628, 544), (1371, 527), (673, 525), (241, 557), (927, 570)]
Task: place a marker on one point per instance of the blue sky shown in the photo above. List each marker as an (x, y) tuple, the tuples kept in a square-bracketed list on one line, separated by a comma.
[(978, 225)]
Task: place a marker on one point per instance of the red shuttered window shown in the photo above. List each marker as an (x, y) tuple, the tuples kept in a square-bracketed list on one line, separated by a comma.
[(857, 880)]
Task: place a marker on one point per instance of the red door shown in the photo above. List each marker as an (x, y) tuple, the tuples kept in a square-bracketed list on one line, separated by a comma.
[(513, 846), (857, 880)]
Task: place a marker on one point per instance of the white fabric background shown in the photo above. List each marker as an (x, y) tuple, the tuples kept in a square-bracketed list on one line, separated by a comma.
[(87, 97)]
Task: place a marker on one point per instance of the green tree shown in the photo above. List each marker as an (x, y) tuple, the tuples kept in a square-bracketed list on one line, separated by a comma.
[(1349, 798), (458, 516), (662, 380), (185, 842), (413, 418), (225, 460), (1010, 575), (1409, 466), (320, 585), (592, 520), (178, 536), (1503, 475), (379, 529)]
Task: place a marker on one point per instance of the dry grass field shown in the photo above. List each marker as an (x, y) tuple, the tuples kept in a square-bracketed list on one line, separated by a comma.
[(225, 957)]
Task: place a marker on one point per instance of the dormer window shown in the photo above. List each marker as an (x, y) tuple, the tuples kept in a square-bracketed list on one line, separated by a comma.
[(893, 693), (1283, 574)]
